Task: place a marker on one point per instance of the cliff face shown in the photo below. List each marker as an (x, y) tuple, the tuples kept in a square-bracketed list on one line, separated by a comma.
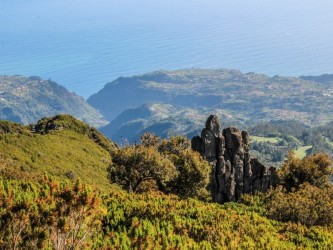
[(234, 172)]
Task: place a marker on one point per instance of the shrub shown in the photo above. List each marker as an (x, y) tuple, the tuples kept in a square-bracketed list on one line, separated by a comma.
[(314, 169), (309, 205), (34, 216)]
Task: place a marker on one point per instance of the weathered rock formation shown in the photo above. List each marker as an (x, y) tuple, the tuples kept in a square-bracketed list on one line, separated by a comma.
[(234, 172)]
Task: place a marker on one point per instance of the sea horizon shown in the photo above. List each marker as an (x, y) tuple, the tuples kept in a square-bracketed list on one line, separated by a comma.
[(85, 44)]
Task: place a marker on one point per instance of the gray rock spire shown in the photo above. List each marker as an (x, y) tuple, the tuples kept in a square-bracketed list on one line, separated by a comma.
[(234, 172)]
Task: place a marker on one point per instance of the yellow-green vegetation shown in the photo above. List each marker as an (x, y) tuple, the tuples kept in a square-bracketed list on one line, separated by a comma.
[(309, 205), (68, 122), (62, 152), (302, 151), (48, 215), (266, 139), (167, 222), (162, 210), (55, 215)]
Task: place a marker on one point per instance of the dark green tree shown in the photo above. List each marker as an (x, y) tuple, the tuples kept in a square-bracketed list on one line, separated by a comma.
[(135, 164), (193, 178)]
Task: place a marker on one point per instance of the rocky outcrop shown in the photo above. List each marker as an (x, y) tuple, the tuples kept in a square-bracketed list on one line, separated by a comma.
[(234, 172)]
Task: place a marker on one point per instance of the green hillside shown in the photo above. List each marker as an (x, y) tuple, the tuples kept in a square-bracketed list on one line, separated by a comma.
[(252, 96), (55, 194), (25, 100), (61, 146)]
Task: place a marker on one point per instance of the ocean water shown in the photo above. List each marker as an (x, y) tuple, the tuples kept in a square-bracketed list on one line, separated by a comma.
[(83, 44)]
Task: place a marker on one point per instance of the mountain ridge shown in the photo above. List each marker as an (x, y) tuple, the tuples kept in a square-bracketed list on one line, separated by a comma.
[(245, 98), (26, 99), (253, 96)]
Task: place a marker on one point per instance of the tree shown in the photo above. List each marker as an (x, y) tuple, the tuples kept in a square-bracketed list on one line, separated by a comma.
[(314, 169), (193, 178), (194, 171), (133, 165), (168, 165), (174, 145)]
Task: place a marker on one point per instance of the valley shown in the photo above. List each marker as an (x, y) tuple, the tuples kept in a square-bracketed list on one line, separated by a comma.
[(176, 102)]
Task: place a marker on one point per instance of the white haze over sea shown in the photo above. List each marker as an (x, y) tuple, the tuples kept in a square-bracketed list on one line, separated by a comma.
[(83, 44)]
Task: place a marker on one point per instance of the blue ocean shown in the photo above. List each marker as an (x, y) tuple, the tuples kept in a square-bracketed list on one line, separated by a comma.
[(83, 44)]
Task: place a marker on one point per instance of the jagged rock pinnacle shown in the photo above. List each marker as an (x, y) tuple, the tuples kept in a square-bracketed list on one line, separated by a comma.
[(234, 172)]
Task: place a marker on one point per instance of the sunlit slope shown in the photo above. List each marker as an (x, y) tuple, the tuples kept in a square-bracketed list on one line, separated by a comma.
[(66, 151)]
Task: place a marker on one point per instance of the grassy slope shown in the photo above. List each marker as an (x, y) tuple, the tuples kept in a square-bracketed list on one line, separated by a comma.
[(265, 139), (301, 152), (57, 152)]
